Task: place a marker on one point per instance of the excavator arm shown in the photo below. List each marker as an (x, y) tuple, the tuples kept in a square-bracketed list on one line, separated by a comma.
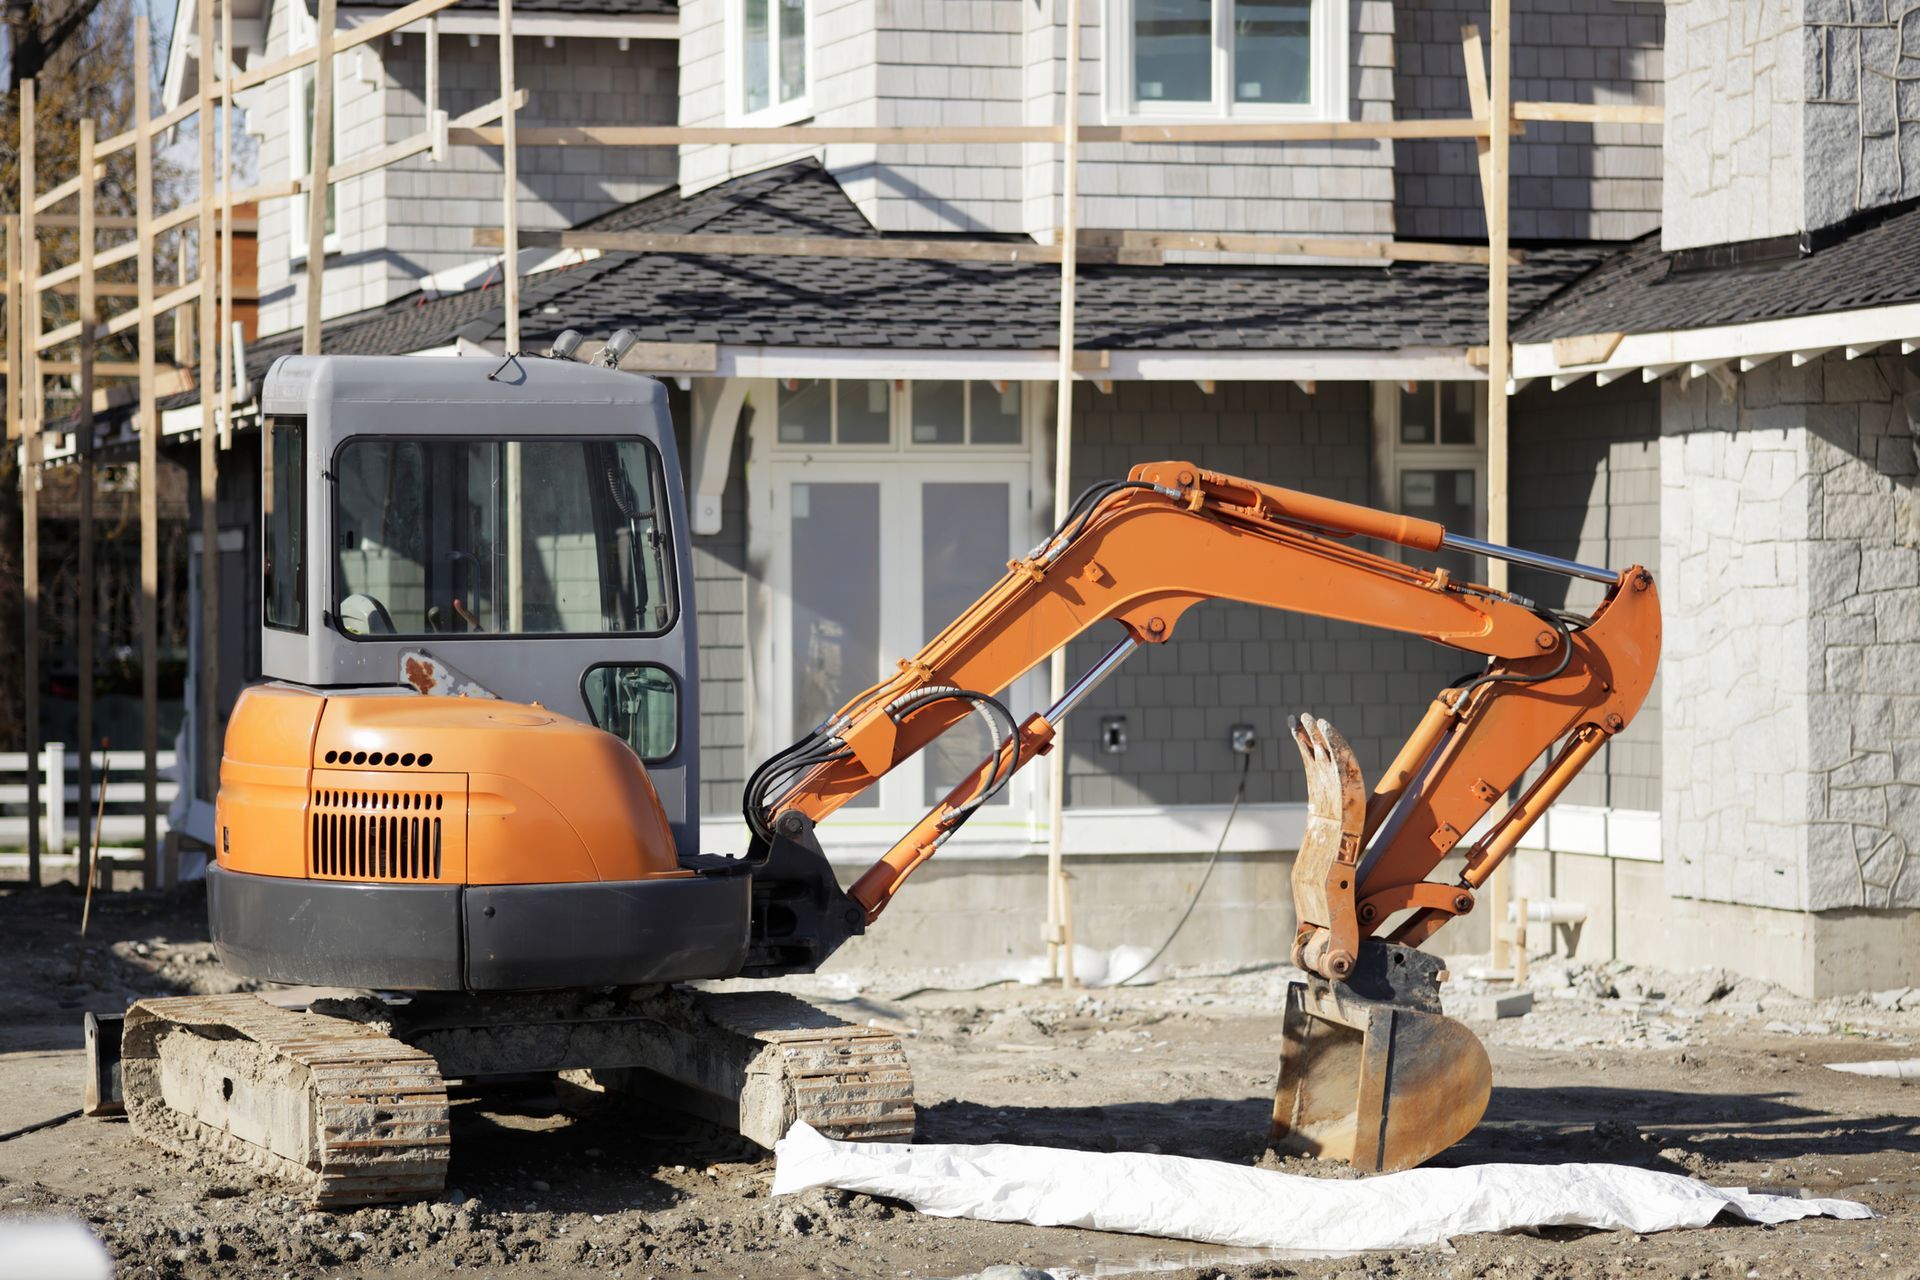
[(1143, 551)]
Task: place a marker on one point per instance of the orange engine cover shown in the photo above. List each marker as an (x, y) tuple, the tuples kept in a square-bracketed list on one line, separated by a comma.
[(411, 789)]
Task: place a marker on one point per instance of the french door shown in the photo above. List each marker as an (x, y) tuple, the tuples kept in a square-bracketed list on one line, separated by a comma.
[(868, 560)]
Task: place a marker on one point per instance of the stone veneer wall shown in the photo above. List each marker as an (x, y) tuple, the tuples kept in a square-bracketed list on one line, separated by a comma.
[(1791, 566), (1735, 163)]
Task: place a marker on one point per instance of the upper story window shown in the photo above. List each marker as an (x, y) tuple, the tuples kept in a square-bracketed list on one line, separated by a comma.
[(773, 78), (881, 414), (1182, 59)]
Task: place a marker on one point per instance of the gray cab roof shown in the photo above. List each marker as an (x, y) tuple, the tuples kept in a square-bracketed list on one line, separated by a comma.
[(295, 383)]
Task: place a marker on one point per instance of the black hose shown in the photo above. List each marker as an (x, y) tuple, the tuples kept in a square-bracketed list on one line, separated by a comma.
[(1239, 793)]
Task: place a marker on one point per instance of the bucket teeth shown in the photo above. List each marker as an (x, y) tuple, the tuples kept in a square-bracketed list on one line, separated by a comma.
[(1326, 870), (1371, 1072)]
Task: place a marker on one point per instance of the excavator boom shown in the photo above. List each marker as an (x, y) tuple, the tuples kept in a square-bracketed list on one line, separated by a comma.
[(1365, 1029)]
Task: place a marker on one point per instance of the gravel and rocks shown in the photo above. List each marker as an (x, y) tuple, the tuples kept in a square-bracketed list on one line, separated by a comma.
[(1704, 1074)]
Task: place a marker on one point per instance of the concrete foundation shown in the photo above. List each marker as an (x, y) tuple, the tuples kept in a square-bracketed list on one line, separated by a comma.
[(1630, 917)]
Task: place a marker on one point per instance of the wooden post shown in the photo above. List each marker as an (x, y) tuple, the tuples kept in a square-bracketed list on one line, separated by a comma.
[(147, 424), (1058, 929), (209, 709), (183, 345), (28, 391), (83, 640), (510, 182), (225, 63), (321, 154), (1499, 350)]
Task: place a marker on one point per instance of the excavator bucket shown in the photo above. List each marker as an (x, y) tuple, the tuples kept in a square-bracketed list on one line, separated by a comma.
[(1371, 1072)]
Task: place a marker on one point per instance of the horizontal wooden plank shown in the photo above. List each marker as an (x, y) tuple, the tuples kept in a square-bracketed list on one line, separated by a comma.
[(1586, 348), (1590, 112), (671, 357), (1289, 246), (778, 246), (342, 41), (959, 135)]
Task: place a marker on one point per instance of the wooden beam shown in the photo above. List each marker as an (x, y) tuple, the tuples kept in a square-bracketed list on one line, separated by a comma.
[(101, 368), (68, 221), (1590, 112), (224, 323), (1587, 348), (669, 135), (320, 157), (1092, 361), (32, 411), (1159, 242), (1499, 350), (208, 713), (413, 146), (65, 191), (359, 35), (1477, 102), (85, 636), (778, 246), (510, 192), (179, 297)]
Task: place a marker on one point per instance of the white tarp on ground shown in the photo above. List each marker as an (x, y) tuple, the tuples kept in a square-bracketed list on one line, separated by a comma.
[(1217, 1203)]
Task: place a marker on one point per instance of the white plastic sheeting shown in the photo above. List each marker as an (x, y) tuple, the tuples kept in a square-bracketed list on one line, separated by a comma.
[(1218, 1203)]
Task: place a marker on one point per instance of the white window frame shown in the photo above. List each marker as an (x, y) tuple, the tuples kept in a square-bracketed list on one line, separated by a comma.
[(777, 113), (900, 421), (1391, 456), (1326, 100), (304, 30)]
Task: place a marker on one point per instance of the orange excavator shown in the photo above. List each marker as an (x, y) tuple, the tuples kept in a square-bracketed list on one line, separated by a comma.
[(513, 867)]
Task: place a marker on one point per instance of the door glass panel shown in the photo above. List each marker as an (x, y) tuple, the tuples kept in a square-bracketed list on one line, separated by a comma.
[(1173, 50), (939, 413), (636, 702), (963, 551), (1450, 498), (1456, 412), (834, 538), (996, 413), (864, 412), (804, 411), (1272, 51), (1416, 415)]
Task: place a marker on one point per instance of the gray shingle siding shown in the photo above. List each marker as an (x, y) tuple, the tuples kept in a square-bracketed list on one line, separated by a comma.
[(1233, 664), (1569, 181), (1586, 486)]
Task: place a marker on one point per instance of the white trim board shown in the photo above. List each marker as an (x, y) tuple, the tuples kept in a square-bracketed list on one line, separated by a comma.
[(1424, 364), (1632, 834), (1671, 351), (1090, 832)]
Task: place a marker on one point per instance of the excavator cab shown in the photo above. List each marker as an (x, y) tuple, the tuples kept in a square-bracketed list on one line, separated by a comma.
[(512, 544)]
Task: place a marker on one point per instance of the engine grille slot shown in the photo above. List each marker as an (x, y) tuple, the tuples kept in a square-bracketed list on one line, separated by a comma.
[(385, 833)]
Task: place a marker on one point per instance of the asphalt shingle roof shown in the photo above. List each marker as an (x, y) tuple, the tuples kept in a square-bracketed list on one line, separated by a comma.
[(1637, 290), (916, 304)]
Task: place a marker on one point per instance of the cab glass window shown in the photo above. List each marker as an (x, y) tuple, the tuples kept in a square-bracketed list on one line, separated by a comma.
[(637, 702), (283, 521), (500, 537)]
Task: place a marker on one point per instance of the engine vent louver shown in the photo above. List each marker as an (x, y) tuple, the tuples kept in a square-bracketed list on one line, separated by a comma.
[(378, 835)]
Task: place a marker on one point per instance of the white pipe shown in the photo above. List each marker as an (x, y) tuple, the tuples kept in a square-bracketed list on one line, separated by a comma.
[(1548, 911)]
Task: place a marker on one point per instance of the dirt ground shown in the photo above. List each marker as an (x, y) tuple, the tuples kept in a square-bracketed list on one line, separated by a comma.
[(1699, 1074)]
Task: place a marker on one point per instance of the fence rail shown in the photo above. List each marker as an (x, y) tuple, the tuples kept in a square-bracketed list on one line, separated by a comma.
[(63, 808)]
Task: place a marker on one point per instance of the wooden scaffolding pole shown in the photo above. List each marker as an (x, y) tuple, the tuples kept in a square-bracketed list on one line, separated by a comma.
[(27, 389), (147, 424), (1499, 366), (1059, 929), (83, 637), (510, 183), (321, 156), (208, 712), (225, 63)]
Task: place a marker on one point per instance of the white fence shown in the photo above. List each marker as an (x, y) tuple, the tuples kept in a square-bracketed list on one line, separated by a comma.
[(62, 808)]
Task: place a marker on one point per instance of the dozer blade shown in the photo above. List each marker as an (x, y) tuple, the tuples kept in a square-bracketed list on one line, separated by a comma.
[(1371, 1072)]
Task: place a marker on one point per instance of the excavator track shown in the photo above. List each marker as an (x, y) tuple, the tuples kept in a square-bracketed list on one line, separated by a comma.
[(849, 1082), (327, 1105)]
